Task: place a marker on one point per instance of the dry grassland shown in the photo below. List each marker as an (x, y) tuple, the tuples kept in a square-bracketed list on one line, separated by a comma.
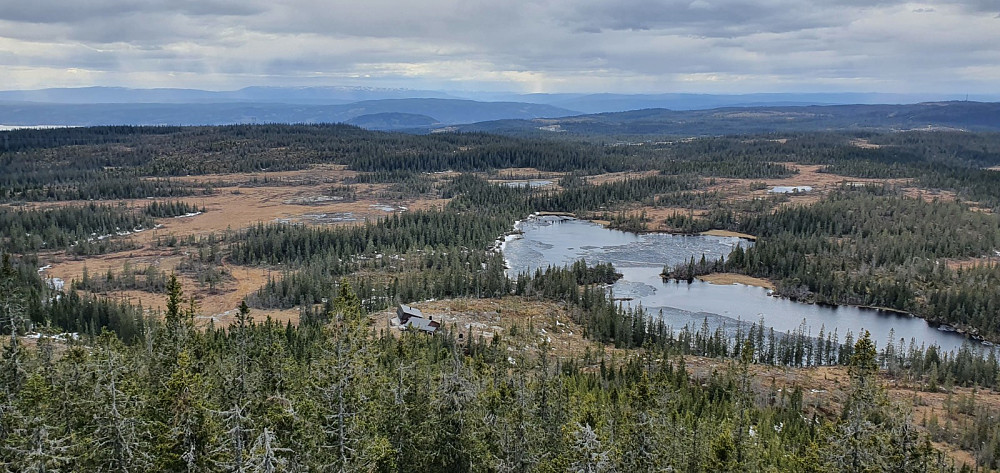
[(726, 279), (808, 175), (240, 200), (964, 263), (727, 233)]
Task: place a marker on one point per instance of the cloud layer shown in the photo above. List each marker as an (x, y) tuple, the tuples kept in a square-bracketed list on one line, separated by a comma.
[(522, 45)]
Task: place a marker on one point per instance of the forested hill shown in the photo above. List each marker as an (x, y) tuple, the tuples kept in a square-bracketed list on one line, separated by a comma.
[(518, 118), (393, 121), (971, 116), (447, 111)]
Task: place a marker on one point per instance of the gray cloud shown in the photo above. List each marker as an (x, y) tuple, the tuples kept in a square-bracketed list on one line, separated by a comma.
[(530, 45), (70, 11)]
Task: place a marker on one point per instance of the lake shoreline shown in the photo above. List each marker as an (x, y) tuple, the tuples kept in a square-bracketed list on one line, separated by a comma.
[(561, 238), (725, 279), (727, 233)]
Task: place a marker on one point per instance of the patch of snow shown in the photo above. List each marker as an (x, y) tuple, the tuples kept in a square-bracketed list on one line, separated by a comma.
[(534, 183), (790, 189), (56, 283), (62, 337)]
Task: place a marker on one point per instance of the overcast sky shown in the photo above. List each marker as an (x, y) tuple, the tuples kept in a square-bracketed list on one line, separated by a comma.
[(716, 46)]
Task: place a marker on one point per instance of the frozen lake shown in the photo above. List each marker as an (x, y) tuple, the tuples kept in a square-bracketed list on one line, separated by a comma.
[(559, 241)]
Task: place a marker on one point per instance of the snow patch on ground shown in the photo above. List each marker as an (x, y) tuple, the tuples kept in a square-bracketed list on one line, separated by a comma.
[(790, 189), (62, 337)]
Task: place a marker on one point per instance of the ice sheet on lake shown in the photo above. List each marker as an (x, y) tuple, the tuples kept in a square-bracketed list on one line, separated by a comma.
[(553, 241), (557, 241), (632, 289)]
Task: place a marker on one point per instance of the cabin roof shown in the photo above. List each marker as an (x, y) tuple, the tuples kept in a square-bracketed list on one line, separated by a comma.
[(422, 324), (413, 311)]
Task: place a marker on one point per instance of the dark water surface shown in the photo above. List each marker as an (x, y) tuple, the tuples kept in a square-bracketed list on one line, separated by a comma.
[(558, 241)]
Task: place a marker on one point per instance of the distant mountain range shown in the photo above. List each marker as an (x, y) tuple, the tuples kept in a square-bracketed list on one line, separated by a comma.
[(426, 110), (443, 111), (601, 103), (288, 95), (972, 116), (394, 121)]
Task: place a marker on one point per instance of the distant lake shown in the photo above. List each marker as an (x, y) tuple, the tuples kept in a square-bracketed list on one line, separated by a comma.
[(30, 127), (558, 241)]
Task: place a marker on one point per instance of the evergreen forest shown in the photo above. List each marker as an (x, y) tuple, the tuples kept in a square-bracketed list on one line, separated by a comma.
[(94, 380)]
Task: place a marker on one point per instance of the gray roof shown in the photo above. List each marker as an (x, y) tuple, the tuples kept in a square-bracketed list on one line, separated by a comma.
[(411, 310), (422, 324)]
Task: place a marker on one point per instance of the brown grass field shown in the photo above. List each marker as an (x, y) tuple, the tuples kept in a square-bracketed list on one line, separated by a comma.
[(808, 175), (236, 204), (725, 279), (727, 233)]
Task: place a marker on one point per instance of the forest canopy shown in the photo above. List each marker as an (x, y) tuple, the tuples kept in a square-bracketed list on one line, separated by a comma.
[(93, 381)]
